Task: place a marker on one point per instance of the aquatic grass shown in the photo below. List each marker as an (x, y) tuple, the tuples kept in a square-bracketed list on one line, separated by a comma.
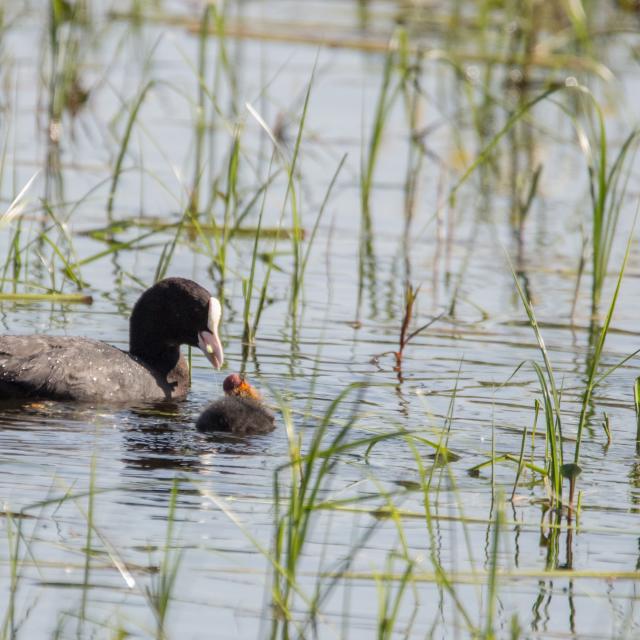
[(406, 336), (193, 226), (14, 212), (22, 556), (608, 186), (425, 485), (410, 296), (211, 23), (200, 123), (492, 581), (290, 166), (577, 14), (88, 544), (464, 577), (61, 249), (606, 425), (521, 463), (230, 203), (132, 109), (219, 30), (296, 221), (509, 457), (524, 204), (550, 400), (248, 334), (66, 269), (440, 575), (13, 545), (304, 485), (636, 402), (387, 95), (388, 576), (388, 601), (124, 144), (17, 540), (69, 271), (390, 621), (330, 576), (485, 157), (316, 224), (65, 88), (288, 32), (410, 71), (485, 154), (308, 475), (383, 513), (89, 553), (296, 503), (18, 204), (168, 250), (13, 260), (250, 331), (246, 531), (595, 357), (558, 469), (536, 415), (65, 298), (160, 592), (554, 452), (116, 246)]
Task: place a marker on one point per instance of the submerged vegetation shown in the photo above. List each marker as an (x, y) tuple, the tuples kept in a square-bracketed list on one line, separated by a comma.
[(399, 206)]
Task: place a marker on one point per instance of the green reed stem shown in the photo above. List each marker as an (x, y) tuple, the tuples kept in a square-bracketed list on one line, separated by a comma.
[(492, 583), (597, 354), (550, 397), (124, 145), (636, 398)]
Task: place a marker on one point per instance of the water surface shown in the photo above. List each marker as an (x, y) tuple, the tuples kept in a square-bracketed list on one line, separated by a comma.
[(347, 321)]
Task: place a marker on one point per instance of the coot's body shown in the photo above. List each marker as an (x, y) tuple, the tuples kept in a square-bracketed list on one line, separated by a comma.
[(240, 411), (174, 311), (84, 370)]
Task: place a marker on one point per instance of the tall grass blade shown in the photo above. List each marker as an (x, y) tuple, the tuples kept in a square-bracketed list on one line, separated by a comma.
[(594, 361)]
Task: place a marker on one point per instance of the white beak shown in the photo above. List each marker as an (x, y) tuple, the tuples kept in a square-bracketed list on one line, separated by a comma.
[(208, 341)]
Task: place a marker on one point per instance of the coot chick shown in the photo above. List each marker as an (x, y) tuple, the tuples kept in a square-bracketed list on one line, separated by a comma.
[(172, 312), (240, 411)]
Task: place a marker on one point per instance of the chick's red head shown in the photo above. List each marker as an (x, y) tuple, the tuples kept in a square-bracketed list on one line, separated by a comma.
[(236, 385)]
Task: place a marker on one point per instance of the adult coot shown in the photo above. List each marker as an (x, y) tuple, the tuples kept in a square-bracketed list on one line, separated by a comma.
[(240, 411), (172, 312)]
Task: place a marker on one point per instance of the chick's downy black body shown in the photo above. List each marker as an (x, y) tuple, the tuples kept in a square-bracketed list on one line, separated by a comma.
[(240, 416), (240, 411)]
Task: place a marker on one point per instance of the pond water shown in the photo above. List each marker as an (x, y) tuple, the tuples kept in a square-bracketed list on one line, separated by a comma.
[(88, 524)]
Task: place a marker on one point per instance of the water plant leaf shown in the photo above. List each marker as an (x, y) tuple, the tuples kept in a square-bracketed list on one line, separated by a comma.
[(570, 470), (18, 204), (47, 297)]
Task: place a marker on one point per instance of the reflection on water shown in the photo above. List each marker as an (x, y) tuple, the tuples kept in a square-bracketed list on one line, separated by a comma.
[(69, 91)]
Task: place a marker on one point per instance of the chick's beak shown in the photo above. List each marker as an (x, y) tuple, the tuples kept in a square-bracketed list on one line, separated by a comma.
[(211, 346)]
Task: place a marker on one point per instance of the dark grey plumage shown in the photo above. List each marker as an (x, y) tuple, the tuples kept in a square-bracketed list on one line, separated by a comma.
[(80, 369), (175, 311), (237, 415)]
